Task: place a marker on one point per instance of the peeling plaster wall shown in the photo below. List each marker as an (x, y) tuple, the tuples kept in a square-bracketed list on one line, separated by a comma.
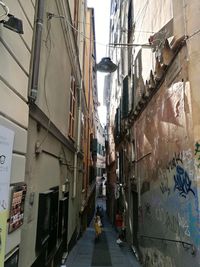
[(15, 54), (54, 164), (168, 146), (169, 206)]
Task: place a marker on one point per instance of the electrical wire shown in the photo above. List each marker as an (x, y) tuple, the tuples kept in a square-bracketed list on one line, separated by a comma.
[(141, 11), (51, 15), (142, 21), (75, 29), (6, 11), (48, 39), (192, 35), (126, 30), (88, 38)]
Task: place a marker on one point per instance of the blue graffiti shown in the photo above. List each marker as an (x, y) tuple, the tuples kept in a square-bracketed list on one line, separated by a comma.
[(197, 152), (197, 148), (182, 182)]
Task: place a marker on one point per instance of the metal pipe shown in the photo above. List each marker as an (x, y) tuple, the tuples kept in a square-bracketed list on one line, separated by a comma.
[(78, 139), (185, 245), (129, 45), (37, 50)]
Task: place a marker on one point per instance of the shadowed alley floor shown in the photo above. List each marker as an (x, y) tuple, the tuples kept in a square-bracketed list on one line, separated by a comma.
[(104, 252)]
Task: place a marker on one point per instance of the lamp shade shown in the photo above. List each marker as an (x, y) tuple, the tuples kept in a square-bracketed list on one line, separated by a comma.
[(14, 24), (106, 65)]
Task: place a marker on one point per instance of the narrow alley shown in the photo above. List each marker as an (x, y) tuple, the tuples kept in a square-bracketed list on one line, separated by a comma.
[(99, 133), (89, 252)]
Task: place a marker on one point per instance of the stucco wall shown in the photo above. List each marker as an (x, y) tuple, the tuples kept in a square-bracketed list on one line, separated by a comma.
[(43, 172), (167, 140), (54, 163), (168, 205), (55, 72), (15, 53)]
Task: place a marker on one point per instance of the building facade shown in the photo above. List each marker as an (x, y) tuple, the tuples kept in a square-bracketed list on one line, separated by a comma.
[(89, 122), (15, 53), (155, 127), (48, 117), (101, 177)]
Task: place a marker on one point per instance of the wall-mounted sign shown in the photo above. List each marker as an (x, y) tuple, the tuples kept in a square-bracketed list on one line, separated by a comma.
[(6, 147), (18, 193)]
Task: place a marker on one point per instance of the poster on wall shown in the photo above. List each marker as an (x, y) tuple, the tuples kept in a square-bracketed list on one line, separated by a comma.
[(6, 147), (17, 199)]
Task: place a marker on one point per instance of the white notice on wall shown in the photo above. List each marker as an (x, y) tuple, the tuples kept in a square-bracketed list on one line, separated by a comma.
[(6, 147)]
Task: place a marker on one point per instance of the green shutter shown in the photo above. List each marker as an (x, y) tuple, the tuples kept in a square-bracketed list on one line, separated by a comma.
[(125, 100), (94, 146)]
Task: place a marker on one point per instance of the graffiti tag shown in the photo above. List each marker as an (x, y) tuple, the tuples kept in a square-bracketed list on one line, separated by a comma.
[(154, 257), (197, 153), (183, 223), (197, 148), (172, 223), (177, 159), (182, 182), (164, 186)]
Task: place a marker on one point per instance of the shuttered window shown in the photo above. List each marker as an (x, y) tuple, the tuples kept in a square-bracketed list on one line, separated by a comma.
[(125, 99), (72, 107), (76, 14), (117, 123), (94, 146), (121, 166)]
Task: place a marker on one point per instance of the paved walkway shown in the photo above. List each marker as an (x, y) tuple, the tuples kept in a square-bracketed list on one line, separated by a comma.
[(101, 253)]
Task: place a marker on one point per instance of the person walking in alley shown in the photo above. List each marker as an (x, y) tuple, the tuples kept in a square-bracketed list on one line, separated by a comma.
[(99, 212), (119, 222), (97, 226)]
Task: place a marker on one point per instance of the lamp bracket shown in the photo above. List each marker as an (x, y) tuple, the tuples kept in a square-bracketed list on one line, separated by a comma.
[(129, 45), (13, 24)]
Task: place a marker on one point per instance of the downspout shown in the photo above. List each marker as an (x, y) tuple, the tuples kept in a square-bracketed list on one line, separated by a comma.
[(88, 119), (78, 139), (37, 50)]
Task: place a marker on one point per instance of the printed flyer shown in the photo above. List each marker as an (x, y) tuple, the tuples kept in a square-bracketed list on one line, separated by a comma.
[(6, 147)]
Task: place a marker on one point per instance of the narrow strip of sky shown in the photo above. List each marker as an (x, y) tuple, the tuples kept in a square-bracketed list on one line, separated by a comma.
[(102, 22)]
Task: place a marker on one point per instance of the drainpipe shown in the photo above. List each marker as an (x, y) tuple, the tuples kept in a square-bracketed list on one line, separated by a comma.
[(88, 119), (78, 139), (36, 52)]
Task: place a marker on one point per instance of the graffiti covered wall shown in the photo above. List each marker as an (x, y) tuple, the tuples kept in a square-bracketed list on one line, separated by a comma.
[(168, 160)]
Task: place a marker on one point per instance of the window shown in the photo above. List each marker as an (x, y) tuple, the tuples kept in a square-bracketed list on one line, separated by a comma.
[(76, 11), (72, 107), (125, 98), (83, 177), (43, 221), (82, 130), (130, 21), (121, 166)]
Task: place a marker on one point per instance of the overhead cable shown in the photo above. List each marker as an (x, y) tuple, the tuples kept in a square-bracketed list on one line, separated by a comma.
[(6, 9)]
